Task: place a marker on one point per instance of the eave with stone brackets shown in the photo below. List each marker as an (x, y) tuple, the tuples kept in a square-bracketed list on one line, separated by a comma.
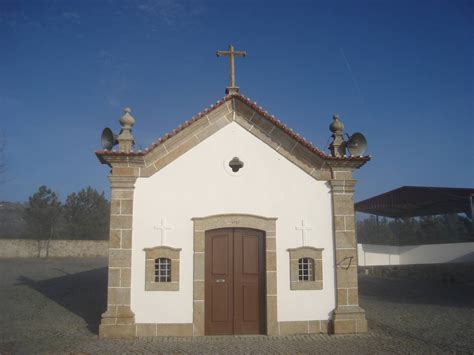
[(232, 108)]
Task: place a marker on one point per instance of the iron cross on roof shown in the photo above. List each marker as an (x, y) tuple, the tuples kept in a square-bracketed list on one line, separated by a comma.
[(231, 53)]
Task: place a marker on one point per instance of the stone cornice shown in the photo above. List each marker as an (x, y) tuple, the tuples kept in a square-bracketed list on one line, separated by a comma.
[(122, 182), (336, 162), (342, 186), (120, 158)]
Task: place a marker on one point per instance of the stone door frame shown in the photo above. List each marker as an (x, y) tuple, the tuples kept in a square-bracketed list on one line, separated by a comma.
[(265, 224)]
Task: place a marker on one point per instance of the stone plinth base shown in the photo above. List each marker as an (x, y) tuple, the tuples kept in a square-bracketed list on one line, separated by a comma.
[(118, 322), (117, 331), (139, 330), (167, 329), (349, 320), (305, 327)]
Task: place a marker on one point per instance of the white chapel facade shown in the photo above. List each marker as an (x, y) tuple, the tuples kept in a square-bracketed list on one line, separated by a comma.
[(231, 224)]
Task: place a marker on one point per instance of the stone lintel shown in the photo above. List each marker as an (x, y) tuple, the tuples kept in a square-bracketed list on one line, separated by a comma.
[(296, 252), (162, 251), (235, 221)]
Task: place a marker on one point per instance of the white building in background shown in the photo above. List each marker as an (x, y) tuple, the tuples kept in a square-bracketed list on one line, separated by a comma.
[(378, 255)]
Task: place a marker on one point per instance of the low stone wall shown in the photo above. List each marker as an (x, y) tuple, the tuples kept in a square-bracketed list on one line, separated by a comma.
[(26, 248), (449, 273)]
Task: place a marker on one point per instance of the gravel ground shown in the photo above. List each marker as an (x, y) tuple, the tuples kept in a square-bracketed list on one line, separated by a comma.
[(54, 306)]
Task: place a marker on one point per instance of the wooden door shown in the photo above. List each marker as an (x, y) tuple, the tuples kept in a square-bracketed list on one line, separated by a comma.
[(234, 279), (219, 295), (249, 291)]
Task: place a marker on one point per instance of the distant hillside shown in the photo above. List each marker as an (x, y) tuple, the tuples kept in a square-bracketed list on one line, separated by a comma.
[(12, 224)]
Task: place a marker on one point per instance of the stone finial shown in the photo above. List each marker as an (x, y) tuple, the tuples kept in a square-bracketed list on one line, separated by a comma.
[(336, 126), (125, 137), (127, 119), (337, 146)]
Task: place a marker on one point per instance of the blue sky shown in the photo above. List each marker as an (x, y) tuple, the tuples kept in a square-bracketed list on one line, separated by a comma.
[(399, 71)]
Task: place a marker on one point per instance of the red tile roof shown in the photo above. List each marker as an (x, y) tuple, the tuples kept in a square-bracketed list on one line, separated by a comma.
[(254, 106)]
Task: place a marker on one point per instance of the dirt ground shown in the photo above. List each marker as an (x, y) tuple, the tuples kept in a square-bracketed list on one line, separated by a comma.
[(54, 306)]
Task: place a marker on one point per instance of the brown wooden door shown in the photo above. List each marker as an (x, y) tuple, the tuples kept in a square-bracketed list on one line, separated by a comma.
[(219, 295), (249, 290), (234, 277)]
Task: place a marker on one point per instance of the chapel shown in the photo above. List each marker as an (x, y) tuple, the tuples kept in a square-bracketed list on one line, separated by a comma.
[(231, 224)]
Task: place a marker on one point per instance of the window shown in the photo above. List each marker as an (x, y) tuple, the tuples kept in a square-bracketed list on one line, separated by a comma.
[(236, 164), (305, 269), (162, 270)]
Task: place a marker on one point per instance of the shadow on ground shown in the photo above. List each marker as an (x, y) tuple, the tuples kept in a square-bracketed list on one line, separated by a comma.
[(83, 293), (417, 291)]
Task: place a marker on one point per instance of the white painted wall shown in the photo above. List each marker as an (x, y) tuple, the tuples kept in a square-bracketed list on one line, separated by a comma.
[(370, 254), (436, 253), (197, 185)]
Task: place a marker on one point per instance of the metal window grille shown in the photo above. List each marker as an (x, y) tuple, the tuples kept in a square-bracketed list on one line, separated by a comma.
[(162, 270), (305, 269)]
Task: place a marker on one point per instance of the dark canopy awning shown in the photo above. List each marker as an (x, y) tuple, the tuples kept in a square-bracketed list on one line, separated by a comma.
[(413, 201)]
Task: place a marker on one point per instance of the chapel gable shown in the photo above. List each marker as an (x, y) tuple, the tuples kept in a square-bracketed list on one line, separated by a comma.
[(253, 118)]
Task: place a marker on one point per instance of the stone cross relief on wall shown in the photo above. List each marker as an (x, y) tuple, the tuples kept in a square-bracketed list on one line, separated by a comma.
[(303, 228), (163, 228)]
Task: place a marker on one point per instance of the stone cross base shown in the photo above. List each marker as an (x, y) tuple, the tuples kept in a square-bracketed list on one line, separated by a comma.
[(232, 90)]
